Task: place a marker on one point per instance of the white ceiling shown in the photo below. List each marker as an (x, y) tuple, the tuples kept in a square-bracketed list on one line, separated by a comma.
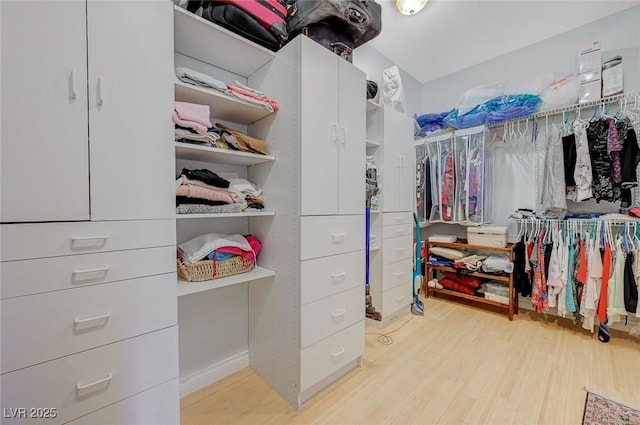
[(450, 35)]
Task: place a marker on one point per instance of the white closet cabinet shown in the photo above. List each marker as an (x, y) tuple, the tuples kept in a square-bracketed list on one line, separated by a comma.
[(397, 169), (88, 308), (44, 151), (57, 59), (333, 130), (306, 328)]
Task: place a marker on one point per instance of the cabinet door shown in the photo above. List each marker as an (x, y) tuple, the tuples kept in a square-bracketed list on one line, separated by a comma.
[(130, 106), (320, 130), (352, 150), (44, 152), (397, 177)]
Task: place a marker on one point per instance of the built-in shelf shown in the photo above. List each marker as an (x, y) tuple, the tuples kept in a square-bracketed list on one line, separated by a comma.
[(187, 288), (203, 40), (255, 213), (222, 107), (208, 154), (373, 144), (371, 105)]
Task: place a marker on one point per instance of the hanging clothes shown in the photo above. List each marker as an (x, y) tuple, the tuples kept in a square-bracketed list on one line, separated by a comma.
[(582, 175), (598, 140), (604, 288), (630, 161), (591, 293), (615, 301), (553, 195), (539, 296)]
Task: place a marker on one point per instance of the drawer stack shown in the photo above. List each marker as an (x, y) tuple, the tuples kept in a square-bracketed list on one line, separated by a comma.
[(393, 296), (332, 295), (89, 309)]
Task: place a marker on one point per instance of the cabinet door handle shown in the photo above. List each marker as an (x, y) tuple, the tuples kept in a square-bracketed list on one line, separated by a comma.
[(338, 277), (402, 159), (107, 378), (399, 232), (344, 134), (400, 298), (72, 86), (100, 98), (399, 250), (334, 133), (338, 353), (338, 315), (92, 319), (399, 161), (96, 270), (338, 237), (399, 274)]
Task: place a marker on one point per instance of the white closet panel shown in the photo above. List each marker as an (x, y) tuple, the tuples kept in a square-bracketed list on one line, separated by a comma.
[(44, 151), (131, 79)]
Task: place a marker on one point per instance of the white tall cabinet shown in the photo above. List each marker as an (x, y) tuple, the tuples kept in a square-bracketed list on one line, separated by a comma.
[(88, 311), (391, 266), (306, 328)]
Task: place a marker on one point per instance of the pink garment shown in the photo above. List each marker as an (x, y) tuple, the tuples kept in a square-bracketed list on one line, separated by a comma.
[(193, 116), (256, 245), (247, 94), (192, 191)]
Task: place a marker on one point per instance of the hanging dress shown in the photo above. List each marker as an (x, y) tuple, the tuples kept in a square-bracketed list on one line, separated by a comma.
[(539, 298), (582, 174), (591, 293), (615, 301)]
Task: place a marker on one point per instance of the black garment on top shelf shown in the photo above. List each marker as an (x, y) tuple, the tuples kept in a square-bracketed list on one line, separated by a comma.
[(180, 200), (570, 157), (630, 288), (206, 176), (603, 187), (630, 160)]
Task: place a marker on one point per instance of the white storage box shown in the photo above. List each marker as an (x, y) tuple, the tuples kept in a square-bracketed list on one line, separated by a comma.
[(495, 236), (498, 298), (443, 238)]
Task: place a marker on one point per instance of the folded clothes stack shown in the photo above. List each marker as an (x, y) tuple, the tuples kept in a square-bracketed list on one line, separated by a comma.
[(219, 247), (205, 192)]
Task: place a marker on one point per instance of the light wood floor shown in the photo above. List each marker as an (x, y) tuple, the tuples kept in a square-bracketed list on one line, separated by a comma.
[(456, 365)]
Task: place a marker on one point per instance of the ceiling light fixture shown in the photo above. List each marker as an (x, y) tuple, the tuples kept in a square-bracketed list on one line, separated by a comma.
[(410, 7)]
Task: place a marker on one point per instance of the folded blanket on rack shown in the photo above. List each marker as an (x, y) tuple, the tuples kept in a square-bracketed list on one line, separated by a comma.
[(497, 264), (198, 248), (242, 141), (192, 115), (182, 134), (230, 251), (191, 76), (184, 180), (200, 201), (211, 209), (254, 98), (205, 176), (192, 191)]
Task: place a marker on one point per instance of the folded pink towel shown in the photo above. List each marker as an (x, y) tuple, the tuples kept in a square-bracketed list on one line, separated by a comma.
[(203, 193), (192, 115)]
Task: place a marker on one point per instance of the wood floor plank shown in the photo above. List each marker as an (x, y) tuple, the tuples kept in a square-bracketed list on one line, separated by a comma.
[(456, 365)]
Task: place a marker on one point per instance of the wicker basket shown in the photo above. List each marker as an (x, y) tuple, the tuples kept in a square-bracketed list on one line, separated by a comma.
[(208, 270)]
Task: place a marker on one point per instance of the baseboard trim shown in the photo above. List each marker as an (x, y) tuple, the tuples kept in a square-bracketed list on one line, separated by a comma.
[(213, 373)]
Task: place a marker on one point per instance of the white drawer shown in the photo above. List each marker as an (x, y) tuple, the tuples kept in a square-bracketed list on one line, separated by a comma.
[(389, 219), (27, 277), (396, 249), (394, 274), (396, 298), (85, 382), (329, 315), (158, 406), (327, 356), (47, 326), (326, 276), (322, 236), (40, 240), (397, 231)]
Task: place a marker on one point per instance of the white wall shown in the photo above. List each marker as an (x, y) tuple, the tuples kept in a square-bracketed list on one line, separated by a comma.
[(373, 63), (522, 70)]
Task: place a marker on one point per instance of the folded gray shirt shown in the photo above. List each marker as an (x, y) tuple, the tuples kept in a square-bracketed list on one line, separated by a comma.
[(190, 76)]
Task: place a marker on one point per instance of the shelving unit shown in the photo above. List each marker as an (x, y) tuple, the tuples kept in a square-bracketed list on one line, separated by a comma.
[(188, 288), (203, 40), (192, 152), (512, 306), (226, 215), (223, 107)]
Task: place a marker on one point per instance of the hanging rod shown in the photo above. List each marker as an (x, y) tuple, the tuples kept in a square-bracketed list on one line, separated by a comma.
[(570, 108), (613, 222)]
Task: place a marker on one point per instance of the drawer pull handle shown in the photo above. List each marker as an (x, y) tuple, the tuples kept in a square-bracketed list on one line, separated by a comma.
[(97, 270), (338, 277), (338, 315), (338, 237), (72, 86), (92, 319), (399, 274), (400, 298), (338, 353), (89, 238), (107, 378), (344, 134), (400, 232), (399, 250)]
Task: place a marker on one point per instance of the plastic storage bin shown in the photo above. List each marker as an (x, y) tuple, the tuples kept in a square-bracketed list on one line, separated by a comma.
[(494, 236)]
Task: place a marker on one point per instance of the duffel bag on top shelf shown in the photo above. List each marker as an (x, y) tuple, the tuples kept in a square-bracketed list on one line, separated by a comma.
[(261, 21), (360, 20)]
